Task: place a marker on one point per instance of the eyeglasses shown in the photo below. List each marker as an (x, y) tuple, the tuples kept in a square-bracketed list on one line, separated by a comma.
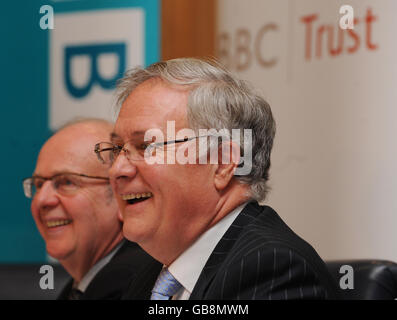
[(108, 152), (64, 183)]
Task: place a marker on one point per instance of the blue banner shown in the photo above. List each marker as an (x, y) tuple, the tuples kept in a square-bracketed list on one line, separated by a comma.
[(51, 75)]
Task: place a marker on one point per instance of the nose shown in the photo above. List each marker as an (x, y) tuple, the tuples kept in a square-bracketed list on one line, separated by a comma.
[(46, 197), (121, 172)]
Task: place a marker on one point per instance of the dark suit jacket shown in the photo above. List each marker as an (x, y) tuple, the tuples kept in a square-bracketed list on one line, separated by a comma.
[(113, 280), (260, 257)]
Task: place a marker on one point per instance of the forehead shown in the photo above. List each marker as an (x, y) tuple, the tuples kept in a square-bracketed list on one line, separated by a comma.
[(70, 151), (151, 105)]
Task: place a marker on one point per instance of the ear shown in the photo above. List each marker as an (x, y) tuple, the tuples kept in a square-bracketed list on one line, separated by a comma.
[(228, 159)]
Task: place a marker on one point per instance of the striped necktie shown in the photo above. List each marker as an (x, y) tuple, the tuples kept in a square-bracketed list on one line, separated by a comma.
[(165, 287)]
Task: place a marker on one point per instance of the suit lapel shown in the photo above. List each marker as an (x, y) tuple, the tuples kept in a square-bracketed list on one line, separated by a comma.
[(223, 249), (64, 295), (142, 285), (144, 272), (97, 287)]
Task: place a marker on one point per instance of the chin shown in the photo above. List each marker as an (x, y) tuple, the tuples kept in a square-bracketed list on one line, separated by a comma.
[(129, 234), (57, 252), (134, 233)]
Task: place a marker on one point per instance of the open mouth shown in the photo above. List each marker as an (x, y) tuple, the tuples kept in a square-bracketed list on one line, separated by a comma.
[(57, 223), (136, 197)]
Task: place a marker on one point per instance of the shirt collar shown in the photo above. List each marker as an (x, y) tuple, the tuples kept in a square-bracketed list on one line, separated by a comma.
[(188, 266), (86, 280)]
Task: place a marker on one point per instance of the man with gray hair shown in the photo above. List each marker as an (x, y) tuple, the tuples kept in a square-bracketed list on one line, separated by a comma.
[(77, 215), (196, 213)]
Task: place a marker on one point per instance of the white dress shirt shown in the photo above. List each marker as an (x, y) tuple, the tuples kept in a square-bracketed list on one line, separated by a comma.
[(188, 266), (83, 284)]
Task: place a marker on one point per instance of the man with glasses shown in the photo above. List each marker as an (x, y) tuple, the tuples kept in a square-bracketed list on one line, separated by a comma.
[(77, 216), (200, 215)]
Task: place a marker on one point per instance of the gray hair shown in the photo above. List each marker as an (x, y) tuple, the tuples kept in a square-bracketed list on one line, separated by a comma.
[(216, 100)]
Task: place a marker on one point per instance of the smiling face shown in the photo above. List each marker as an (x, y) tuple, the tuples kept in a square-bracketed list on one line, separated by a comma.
[(182, 197), (82, 226)]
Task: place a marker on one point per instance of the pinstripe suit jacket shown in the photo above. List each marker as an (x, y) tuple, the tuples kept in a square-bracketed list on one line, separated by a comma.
[(260, 257)]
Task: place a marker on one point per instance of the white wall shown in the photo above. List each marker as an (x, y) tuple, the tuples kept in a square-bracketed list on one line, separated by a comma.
[(334, 164)]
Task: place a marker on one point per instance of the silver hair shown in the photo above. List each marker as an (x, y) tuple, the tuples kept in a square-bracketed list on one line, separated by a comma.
[(218, 100)]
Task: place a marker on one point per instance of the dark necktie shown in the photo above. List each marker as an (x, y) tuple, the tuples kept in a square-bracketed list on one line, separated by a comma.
[(75, 294)]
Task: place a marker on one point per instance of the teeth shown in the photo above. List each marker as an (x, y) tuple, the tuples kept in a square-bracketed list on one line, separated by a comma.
[(57, 223), (136, 196)]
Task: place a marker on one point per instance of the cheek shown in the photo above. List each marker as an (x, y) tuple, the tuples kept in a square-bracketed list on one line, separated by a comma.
[(102, 207), (185, 186), (33, 209), (113, 185), (80, 209), (195, 177), (35, 213), (116, 196)]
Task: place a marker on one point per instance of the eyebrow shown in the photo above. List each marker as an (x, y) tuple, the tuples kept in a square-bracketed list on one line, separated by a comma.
[(56, 173), (115, 136), (35, 175)]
